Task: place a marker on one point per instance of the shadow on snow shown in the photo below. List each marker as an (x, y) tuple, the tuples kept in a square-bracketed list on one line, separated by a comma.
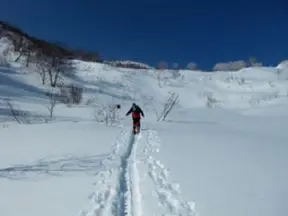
[(60, 167), (191, 122), (103, 87), (19, 88)]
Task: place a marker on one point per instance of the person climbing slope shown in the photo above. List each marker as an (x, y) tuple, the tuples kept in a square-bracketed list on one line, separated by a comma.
[(136, 116)]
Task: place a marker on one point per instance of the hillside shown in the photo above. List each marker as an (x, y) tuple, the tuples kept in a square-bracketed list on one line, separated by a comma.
[(29, 46), (221, 150), (33, 48)]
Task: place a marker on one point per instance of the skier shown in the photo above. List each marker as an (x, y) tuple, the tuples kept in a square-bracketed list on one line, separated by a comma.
[(136, 116)]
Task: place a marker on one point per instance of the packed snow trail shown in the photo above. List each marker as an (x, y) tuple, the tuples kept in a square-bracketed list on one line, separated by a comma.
[(129, 196), (117, 191)]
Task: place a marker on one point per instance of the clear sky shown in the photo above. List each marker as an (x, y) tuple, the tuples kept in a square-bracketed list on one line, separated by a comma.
[(183, 31)]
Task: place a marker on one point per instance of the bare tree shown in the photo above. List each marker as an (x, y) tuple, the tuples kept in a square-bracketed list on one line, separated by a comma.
[(41, 65), (25, 48), (53, 66), (18, 44), (53, 98), (168, 106), (28, 50)]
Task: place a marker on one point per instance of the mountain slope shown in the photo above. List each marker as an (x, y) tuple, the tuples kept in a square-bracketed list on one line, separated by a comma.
[(221, 151)]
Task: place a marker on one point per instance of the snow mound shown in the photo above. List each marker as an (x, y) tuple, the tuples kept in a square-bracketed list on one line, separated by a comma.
[(282, 70), (282, 65)]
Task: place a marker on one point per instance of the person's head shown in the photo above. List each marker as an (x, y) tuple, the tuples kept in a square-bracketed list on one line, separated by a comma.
[(133, 106)]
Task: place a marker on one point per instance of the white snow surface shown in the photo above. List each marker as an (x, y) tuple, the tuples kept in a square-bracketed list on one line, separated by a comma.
[(222, 151)]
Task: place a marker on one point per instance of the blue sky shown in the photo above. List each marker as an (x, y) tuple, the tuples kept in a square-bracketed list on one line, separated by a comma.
[(182, 31)]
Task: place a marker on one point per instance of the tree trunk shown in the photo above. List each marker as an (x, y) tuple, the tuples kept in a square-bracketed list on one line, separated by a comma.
[(28, 59), (17, 59)]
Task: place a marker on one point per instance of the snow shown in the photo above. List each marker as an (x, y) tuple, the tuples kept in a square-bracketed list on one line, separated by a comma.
[(236, 167), (43, 165), (221, 151)]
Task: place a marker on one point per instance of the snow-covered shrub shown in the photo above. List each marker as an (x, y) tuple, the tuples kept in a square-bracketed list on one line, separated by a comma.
[(254, 63), (230, 66), (90, 101), (271, 84), (241, 81), (107, 113), (175, 70), (232, 77), (211, 102), (254, 101), (192, 66), (162, 65), (4, 125)]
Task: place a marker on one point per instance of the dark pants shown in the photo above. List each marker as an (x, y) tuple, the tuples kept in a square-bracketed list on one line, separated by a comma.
[(136, 123)]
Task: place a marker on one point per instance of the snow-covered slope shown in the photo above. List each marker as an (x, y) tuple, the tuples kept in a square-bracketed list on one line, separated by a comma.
[(222, 150)]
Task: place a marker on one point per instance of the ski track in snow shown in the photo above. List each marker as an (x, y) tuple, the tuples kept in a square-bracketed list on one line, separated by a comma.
[(104, 188), (129, 197), (103, 195), (117, 191)]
